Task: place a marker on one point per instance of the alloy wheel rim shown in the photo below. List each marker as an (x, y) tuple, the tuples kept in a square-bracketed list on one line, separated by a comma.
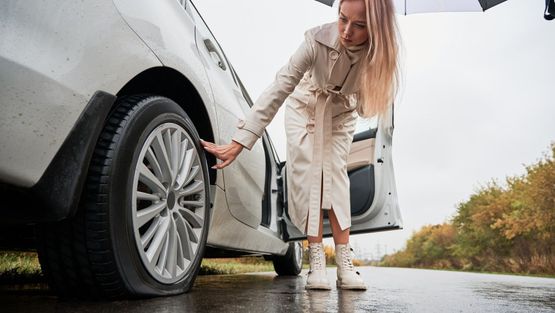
[(168, 203)]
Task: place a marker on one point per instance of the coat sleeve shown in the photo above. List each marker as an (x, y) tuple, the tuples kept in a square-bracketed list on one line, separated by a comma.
[(266, 106)]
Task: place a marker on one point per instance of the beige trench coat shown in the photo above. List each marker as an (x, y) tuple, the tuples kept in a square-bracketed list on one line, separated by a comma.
[(319, 84)]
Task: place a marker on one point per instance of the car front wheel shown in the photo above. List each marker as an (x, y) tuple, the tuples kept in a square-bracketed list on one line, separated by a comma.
[(143, 220)]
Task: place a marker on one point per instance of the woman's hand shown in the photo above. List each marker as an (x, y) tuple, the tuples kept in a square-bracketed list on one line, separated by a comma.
[(226, 153)]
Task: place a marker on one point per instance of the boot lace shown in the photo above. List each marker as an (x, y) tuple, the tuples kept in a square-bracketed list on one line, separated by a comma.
[(316, 253), (346, 260)]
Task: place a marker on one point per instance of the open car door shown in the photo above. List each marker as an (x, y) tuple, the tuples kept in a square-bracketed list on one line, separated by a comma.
[(374, 205)]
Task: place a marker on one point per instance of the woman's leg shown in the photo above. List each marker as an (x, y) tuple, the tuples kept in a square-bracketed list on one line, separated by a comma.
[(347, 276), (316, 239), (317, 277), (339, 236)]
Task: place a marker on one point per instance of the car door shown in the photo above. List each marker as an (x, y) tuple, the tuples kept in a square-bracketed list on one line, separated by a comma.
[(374, 205), (244, 179)]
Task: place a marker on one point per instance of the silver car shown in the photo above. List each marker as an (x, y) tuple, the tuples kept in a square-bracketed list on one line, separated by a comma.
[(102, 107)]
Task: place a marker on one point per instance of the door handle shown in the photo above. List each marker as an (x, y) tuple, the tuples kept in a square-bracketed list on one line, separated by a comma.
[(212, 49)]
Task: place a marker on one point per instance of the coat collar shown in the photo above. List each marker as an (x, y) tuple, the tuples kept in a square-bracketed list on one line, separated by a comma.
[(328, 35)]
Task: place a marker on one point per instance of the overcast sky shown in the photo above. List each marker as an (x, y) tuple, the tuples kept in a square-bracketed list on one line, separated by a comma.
[(477, 100)]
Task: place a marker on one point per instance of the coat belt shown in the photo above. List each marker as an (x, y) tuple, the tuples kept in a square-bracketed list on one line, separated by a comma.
[(321, 166)]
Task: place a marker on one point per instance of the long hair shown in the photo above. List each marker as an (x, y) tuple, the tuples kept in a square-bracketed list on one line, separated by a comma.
[(379, 77)]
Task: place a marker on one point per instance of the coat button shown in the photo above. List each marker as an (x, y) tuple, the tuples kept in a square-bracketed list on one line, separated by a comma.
[(310, 128), (334, 54), (241, 124)]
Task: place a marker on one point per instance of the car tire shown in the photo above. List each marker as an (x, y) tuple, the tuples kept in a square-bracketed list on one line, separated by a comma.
[(143, 218), (291, 263)]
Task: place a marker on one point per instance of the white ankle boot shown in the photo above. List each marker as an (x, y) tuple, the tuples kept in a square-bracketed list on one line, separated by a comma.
[(317, 278), (347, 276)]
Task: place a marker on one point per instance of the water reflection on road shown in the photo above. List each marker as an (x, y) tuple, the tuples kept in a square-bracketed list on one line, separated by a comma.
[(389, 290)]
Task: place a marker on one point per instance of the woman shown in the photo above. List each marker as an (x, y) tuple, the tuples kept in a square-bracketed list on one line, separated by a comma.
[(341, 70)]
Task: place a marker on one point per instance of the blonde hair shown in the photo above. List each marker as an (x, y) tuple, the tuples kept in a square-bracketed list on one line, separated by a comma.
[(379, 78)]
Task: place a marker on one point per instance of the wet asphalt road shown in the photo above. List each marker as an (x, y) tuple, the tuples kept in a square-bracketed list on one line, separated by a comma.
[(389, 290)]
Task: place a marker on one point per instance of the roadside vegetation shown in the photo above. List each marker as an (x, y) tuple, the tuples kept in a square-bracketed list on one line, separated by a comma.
[(235, 265), (19, 267), (502, 228)]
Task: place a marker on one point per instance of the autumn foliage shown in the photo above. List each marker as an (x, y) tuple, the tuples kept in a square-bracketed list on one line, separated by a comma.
[(501, 228)]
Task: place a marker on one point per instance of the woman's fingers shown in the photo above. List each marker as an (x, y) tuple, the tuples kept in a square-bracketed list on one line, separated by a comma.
[(222, 152), (225, 153), (207, 143), (216, 151), (223, 164), (210, 147), (226, 161)]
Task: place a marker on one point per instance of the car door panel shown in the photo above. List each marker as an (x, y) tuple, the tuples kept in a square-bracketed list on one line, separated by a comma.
[(362, 154)]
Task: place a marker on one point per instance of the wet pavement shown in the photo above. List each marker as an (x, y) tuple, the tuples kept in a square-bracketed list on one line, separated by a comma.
[(389, 290)]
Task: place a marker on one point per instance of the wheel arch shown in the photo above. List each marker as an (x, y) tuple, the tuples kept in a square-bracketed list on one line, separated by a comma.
[(170, 83)]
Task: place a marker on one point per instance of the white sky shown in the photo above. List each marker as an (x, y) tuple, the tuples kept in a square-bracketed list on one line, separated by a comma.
[(477, 100)]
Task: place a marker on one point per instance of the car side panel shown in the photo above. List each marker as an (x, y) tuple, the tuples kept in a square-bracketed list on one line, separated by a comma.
[(50, 69)]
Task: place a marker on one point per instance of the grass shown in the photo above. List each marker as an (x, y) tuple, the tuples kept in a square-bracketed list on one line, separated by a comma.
[(235, 266), (19, 267)]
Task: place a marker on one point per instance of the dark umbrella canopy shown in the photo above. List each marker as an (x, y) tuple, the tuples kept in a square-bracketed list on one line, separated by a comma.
[(549, 12), (486, 4), (327, 2)]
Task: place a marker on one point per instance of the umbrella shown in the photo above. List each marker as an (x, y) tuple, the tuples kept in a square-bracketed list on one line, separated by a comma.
[(549, 13), (425, 6)]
